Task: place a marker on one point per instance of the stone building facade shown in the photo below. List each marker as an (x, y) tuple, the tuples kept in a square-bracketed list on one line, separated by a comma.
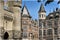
[(16, 22), (30, 30), (10, 19), (49, 26)]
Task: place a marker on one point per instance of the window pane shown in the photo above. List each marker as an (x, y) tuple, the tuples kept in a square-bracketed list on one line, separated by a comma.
[(44, 25), (24, 28), (40, 24), (40, 32), (44, 32), (56, 23), (55, 31), (49, 32), (24, 34), (42, 15), (49, 23)]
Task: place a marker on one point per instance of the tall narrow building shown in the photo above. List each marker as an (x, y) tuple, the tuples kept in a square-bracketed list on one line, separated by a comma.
[(42, 17), (29, 27), (17, 18), (26, 22), (42, 13)]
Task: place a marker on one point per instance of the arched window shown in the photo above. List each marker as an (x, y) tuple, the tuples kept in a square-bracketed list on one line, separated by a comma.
[(6, 35)]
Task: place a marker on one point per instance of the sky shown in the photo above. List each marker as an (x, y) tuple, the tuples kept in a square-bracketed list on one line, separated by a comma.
[(33, 7)]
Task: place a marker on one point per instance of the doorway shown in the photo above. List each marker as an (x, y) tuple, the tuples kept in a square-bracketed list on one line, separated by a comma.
[(6, 35)]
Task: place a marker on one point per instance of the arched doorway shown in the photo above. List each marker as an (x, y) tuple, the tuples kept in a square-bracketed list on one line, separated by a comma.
[(6, 35)]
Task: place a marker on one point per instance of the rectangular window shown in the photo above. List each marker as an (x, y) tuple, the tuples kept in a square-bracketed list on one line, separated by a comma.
[(49, 32), (40, 24), (40, 32), (42, 15), (24, 28), (44, 25), (44, 32), (55, 31), (49, 23), (24, 34), (56, 23)]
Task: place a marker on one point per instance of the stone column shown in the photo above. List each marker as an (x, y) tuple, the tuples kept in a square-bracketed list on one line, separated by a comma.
[(17, 21)]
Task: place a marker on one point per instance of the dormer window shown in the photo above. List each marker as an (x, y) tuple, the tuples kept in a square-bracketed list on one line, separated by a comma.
[(56, 16), (50, 17)]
